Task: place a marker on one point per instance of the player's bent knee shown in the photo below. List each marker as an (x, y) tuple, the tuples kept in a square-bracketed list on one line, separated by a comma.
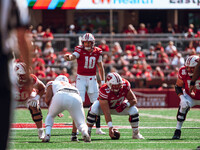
[(133, 110), (134, 118), (36, 113), (182, 116), (91, 118)]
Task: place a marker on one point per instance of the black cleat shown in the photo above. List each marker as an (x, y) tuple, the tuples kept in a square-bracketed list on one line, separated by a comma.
[(74, 137), (177, 134)]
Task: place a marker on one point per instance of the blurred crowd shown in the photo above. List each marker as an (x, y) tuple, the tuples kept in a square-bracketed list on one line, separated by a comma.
[(132, 61)]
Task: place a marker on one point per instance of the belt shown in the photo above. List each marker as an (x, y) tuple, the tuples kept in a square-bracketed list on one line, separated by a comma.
[(69, 90)]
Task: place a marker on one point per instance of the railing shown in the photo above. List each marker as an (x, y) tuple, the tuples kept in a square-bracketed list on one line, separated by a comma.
[(70, 41)]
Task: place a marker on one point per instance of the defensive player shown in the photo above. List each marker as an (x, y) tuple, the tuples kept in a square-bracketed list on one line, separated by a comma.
[(29, 90), (60, 96), (111, 100), (88, 57), (188, 99)]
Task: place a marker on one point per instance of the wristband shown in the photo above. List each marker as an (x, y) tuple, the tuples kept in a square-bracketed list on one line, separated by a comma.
[(37, 97), (110, 124), (102, 82), (192, 83), (128, 104)]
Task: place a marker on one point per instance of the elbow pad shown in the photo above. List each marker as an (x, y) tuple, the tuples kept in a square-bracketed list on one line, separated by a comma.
[(178, 90)]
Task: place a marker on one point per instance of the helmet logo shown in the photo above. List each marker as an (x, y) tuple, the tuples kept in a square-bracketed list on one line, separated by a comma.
[(109, 78)]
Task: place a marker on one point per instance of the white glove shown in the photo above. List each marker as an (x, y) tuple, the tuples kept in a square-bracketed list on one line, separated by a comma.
[(33, 102), (184, 102)]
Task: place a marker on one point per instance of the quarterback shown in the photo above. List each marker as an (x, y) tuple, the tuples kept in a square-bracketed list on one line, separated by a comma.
[(29, 89), (187, 99), (88, 59), (117, 98)]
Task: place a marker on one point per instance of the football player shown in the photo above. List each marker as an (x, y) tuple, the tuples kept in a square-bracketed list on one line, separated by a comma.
[(117, 98), (60, 96), (187, 99), (29, 90), (88, 58)]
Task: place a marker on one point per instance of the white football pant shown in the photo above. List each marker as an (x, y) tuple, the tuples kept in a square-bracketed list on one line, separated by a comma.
[(96, 109), (66, 101), (89, 84)]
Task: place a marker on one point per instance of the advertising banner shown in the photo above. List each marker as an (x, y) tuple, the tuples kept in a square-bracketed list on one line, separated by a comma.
[(114, 4)]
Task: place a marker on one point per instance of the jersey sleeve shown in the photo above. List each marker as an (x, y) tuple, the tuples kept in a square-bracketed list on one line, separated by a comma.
[(102, 93), (126, 84), (182, 73), (34, 79)]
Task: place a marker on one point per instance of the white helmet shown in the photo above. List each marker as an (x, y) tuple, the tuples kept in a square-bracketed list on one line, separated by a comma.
[(114, 81), (90, 38), (61, 78), (20, 70), (190, 63)]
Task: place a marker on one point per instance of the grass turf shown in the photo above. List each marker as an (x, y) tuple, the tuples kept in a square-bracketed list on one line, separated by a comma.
[(156, 125)]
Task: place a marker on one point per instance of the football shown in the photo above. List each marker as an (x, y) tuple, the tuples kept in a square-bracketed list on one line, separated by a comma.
[(117, 134)]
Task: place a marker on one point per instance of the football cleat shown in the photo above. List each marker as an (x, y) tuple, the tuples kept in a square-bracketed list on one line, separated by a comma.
[(74, 137), (86, 138), (177, 134), (46, 138), (41, 134), (99, 131), (137, 135)]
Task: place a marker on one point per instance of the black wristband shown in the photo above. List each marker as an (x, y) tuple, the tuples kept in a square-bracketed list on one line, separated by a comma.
[(192, 83)]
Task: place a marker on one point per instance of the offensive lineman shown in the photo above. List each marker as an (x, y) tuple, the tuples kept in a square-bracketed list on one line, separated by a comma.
[(88, 57), (60, 96), (29, 91), (188, 99), (111, 100)]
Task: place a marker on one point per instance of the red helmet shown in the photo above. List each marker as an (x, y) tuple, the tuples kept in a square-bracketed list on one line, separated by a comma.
[(88, 37), (114, 82), (191, 63)]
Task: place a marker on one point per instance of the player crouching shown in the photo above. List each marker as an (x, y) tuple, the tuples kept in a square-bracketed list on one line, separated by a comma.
[(28, 92), (188, 99), (111, 100)]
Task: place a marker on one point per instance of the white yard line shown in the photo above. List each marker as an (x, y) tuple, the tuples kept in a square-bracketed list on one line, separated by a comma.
[(166, 117)]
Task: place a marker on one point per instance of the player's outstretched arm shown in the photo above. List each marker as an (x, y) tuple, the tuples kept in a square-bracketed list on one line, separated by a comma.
[(101, 72), (131, 98), (69, 57)]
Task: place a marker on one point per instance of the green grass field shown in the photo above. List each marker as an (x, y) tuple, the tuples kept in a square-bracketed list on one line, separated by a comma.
[(156, 125)]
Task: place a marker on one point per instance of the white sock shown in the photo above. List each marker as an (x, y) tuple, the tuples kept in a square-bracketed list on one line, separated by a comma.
[(48, 130), (179, 125), (98, 129)]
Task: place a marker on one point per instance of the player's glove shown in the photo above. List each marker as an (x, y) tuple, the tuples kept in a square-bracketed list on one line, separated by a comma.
[(121, 107), (33, 102), (184, 102)]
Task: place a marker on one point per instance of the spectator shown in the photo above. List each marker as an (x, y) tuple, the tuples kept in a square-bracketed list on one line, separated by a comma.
[(190, 47), (159, 48), (158, 28), (163, 58), (170, 48), (116, 50), (152, 54), (170, 29), (189, 33), (138, 54), (48, 50), (104, 46), (48, 35), (198, 48), (38, 35), (50, 73), (178, 60), (176, 29), (64, 72), (142, 29), (72, 29), (173, 73), (158, 73), (130, 30)]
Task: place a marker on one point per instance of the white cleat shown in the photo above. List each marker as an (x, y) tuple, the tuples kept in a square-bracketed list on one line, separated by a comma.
[(41, 134), (86, 138), (137, 136), (46, 138), (99, 131)]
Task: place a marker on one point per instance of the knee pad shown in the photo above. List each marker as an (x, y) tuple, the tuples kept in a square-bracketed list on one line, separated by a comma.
[(134, 118), (91, 118), (182, 116), (36, 113), (133, 110)]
